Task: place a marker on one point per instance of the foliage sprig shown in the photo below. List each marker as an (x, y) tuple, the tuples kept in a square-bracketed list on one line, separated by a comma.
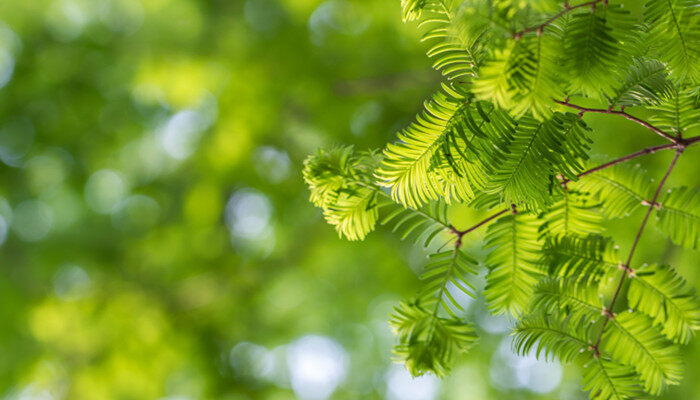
[(499, 136)]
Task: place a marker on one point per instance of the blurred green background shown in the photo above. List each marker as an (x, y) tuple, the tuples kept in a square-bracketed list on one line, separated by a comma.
[(156, 241)]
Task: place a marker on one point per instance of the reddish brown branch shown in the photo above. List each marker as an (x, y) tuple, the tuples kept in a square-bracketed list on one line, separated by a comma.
[(464, 232), (621, 112), (628, 271), (567, 7), (681, 145)]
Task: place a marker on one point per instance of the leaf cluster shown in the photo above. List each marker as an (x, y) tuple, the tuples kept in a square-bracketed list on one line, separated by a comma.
[(497, 136)]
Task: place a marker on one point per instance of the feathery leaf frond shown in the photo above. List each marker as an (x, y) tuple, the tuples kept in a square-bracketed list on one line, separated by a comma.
[(538, 151), (574, 213), (427, 343), (678, 111), (551, 336), (406, 168), (606, 379), (566, 296), (520, 78), (679, 216), (512, 263), (339, 184), (631, 339), (592, 50), (422, 225), (676, 36), (645, 84), (444, 270), (580, 258), (620, 189), (661, 293)]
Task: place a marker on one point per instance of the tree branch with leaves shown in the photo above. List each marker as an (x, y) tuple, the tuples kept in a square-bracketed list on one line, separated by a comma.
[(496, 137)]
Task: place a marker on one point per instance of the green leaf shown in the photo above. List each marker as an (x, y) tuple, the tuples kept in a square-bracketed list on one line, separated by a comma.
[(606, 379), (631, 338), (569, 340), (576, 300), (645, 84), (520, 78), (447, 270), (427, 343), (538, 151), (675, 36), (679, 216), (412, 10), (353, 213), (621, 189), (422, 225), (574, 213), (512, 262), (592, 50), (580, 258), (406, 168), (551, 336), (678, 111), (661, 293)]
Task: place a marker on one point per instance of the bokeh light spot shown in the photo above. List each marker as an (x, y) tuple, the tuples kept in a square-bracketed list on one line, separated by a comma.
[(16, 138), (71, 282), (402, 386), (104, 190), (137, 213), (272, 164), (247, 214), (32, 220), (317, 365)]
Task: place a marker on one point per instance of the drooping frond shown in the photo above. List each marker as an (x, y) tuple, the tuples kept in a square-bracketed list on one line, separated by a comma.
[(478, 18), (620, 189), (512, 263), (606, 379), (580, 258), (645, 84), (539, 151), (679, 216), (567, 297), (340, 185), (440, 154), (476, 133), (521, 77), (569, 340), (427, 343), (678, 111), (551, 336), (447, 270), (455, 54), (592, 49), (631, 339), (661, 293), (406, 168), (421, 225), (354, 213), (412, 10), (574, 213), (675, 35)]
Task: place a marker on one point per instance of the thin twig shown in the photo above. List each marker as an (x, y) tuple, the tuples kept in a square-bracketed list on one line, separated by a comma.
[(540, 28), (649, 150), (621, 112), (464, 232), (627, 270)]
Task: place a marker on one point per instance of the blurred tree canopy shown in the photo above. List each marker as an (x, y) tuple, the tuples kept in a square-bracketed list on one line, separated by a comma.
[(156, 241)]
